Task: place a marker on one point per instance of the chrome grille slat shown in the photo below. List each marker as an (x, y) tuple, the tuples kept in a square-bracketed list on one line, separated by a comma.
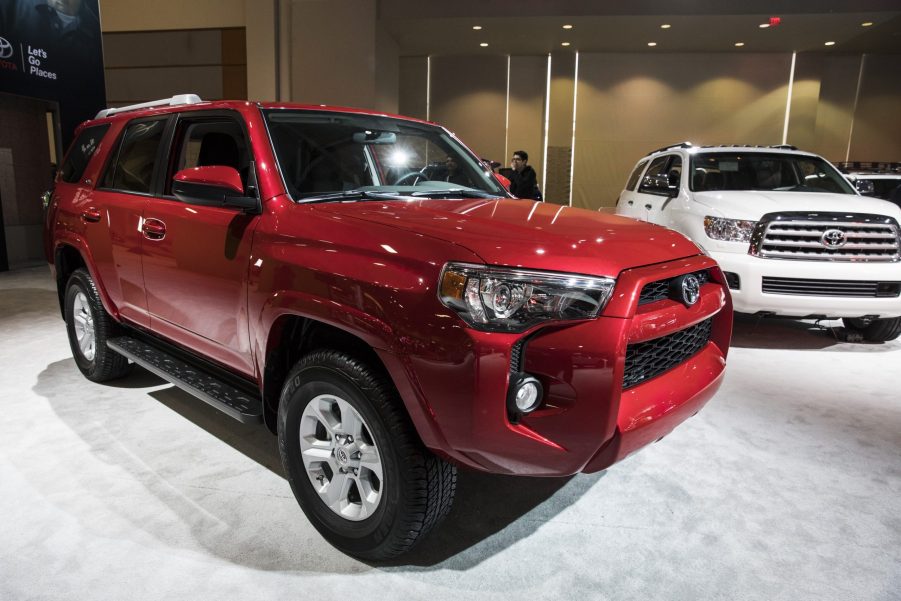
[(837, 288), (871, 238)]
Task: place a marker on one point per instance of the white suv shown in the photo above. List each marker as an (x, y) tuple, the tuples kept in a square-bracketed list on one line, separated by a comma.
[(793, 237)]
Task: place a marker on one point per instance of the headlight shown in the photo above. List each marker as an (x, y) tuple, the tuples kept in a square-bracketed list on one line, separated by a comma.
[(512, 300), (731, 230)]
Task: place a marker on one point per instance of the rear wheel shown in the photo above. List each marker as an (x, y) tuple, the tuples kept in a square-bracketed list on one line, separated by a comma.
[(877, 330), (354, 460), (89, 327)]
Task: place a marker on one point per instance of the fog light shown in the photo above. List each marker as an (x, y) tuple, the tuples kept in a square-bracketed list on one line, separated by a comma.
[(524, 395)]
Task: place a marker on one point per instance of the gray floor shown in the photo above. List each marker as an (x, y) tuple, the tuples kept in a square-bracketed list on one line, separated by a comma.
[(787, 486)]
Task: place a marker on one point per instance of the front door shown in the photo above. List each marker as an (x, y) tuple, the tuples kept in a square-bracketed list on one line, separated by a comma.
[(196, 257)]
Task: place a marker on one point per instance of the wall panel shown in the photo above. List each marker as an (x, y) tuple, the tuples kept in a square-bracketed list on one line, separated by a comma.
[(629, 105)]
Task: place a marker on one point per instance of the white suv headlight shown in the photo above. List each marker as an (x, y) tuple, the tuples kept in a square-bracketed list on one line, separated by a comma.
[(512, 300), (731, 230)]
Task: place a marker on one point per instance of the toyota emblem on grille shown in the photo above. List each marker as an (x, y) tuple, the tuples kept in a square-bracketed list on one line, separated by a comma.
[(833, 238), (686, 289)]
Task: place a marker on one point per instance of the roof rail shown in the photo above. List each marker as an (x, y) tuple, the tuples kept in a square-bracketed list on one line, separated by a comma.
[(173, 101), (784, 146), (671, 146)]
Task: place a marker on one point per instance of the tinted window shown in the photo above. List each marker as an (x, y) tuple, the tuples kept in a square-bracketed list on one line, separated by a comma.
[(132, 170), (208, 142), (633, 179), (81, 152), (658, 166)]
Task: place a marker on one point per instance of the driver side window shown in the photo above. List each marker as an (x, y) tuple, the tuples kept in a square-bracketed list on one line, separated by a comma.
[(210, 141)]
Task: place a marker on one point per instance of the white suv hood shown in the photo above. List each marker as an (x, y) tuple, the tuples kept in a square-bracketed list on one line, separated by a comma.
[(753, 204)]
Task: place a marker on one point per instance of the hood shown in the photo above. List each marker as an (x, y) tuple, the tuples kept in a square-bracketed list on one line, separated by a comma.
[(529, 234), (753, 204)]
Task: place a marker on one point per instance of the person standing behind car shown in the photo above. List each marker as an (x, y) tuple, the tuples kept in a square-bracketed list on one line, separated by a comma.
[(523, 180)]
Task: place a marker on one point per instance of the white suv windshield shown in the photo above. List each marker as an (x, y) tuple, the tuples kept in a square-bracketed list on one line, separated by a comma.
[(765, 171), (335, 155)]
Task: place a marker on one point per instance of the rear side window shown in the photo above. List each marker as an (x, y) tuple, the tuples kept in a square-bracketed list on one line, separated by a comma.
[(80, 153), (132, 170), (633, 179)]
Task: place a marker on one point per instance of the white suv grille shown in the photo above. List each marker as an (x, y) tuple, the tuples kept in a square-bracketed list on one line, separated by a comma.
[(826, 237)]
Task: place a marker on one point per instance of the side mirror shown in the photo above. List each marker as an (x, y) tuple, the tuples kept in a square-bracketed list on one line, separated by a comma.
[(213, 186), (865, 187), (503, 180), (659, 184)]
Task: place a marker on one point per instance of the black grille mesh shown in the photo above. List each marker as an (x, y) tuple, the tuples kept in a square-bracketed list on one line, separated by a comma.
[(659, 290), (646, 360), (516, 357)]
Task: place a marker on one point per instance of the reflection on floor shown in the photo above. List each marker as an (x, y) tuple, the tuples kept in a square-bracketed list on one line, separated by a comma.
[(786, 486)]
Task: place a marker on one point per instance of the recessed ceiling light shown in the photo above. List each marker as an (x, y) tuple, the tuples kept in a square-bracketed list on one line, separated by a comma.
[(665, 26), (866, 24), (484, 44), (564, 43), (829, 44), (477, 27), (652, 44), (739, 44), (567, 27), (763, 25)]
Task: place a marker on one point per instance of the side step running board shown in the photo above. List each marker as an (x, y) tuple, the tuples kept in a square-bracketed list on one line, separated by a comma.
[(229, 399)]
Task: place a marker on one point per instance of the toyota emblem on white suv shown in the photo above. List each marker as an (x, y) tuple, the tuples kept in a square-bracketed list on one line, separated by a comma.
[(6, 49), (833, 238)]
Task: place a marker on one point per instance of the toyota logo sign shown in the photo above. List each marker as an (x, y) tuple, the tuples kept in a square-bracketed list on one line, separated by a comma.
[(6, 49), (686, 289), (833, 238)]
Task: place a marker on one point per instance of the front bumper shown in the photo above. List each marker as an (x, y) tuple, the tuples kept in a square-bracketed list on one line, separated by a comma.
[(587, 421), (750, 298)]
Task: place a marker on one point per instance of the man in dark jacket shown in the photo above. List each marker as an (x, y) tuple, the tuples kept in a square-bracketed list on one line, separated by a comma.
[(523, 181)]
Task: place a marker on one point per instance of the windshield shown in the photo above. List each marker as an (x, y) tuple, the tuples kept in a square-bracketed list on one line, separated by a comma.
[(764, 171), (343, 156)]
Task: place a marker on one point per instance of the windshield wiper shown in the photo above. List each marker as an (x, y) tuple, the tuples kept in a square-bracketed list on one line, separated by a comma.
[(355, 195), (455, 193)]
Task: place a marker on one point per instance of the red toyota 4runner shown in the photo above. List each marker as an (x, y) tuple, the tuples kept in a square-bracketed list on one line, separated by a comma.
[(362, 285)]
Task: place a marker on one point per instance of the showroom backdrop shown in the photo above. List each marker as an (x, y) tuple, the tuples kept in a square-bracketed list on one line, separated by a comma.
[(584, 116)]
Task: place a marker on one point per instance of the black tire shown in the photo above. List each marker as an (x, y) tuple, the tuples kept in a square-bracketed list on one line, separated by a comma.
[(105, 364), (878, 330), (417, 488)]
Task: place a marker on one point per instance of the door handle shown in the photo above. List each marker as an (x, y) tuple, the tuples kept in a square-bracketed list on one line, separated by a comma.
[(153, 229), (91, 215)]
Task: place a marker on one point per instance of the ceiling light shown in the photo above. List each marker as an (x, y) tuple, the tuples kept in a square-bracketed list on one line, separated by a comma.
[(665, 26), (763, 25), (830, 44), (652, 44), (866, 24), (484, 44), (477, 27), (567, 27), (739, 44), (564, 43)]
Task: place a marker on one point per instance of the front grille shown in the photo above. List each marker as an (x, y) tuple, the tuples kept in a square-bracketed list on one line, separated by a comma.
[(842, 288), (801, 236), (646, 360), (659, 290)]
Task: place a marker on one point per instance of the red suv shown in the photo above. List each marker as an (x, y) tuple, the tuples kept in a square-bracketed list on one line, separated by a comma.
[(362, 285)]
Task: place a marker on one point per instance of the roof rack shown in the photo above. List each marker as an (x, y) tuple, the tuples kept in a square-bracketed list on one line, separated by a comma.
[(685, 144), (173, 101), (784, 146)]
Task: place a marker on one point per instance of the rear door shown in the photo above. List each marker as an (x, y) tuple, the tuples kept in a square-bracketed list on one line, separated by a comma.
[(114, 214), (196, 257), (627, 203)]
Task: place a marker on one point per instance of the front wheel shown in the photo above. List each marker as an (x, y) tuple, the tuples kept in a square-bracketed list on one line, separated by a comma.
[(89, 326), (877, 330), (354, 460)]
